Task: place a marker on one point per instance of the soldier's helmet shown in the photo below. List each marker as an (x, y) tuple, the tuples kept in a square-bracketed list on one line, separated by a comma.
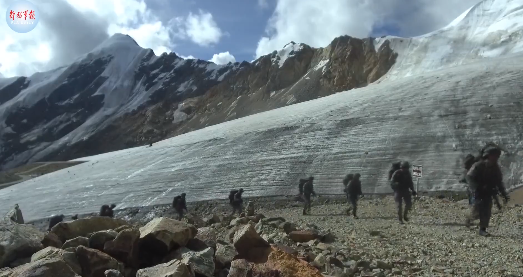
[(240, 190), (405, 165), (183, 194), (491, 150)]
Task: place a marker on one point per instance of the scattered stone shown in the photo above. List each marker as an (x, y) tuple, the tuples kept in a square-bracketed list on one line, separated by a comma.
[(250, 208), (224, 255), (76, 242), (113, 273), (85, 226), (124, 246), (18, 241), (208, 235), (174, 268), (94, 262), (98, 239), (201, 262), (41, 268), (51, 239), (163, 234), (55, 253), (287, 227), (302, 236), (246, 238)]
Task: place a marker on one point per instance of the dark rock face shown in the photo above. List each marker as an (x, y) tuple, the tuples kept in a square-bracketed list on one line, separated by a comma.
[(183, 95)]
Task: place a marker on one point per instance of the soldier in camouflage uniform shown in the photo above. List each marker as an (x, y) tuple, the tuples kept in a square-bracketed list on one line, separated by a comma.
[(401, 182), (308, 190), (485, 179)]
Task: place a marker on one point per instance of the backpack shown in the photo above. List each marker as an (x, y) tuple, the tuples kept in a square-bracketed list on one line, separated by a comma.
[(302, 183), (395, 166), (394, 185), (231, 195), (469, 161)]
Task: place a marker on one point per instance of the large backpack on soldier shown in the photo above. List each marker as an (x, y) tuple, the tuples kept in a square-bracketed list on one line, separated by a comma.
[(231, 195), (469, 161), (394, 185), (176, 200), (394, 167)]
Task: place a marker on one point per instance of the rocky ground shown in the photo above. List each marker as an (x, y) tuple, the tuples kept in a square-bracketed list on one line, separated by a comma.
[(434, 242)]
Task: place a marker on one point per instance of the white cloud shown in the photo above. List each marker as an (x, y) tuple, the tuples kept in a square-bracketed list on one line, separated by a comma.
[(317, 23), (202, 29), (223, 58), (190, 57), (70, 28)]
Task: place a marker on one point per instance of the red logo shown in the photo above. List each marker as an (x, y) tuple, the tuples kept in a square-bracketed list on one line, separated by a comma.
[(23, 14)]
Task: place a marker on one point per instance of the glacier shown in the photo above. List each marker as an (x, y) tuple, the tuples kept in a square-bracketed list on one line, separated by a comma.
[(449, 92)]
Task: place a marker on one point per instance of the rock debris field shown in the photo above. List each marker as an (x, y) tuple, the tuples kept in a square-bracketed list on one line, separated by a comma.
[(271, 239)]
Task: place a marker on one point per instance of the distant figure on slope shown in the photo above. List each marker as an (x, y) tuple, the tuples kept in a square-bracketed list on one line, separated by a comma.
[(55, 220), (15, 215), (308, 190), (106, 210), (179, 204), (401, 182), (236, 201), (354, 192), (300, 186), (484, 178), (346, 182), (74, 217)]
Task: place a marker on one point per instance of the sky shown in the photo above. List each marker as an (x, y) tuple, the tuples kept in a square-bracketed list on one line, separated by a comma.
[(220, 31)]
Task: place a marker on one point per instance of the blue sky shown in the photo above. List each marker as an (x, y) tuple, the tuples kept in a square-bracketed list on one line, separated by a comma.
[(221, 31)]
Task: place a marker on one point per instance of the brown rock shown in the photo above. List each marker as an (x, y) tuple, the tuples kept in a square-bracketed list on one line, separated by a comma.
[(84, 226), (198, 245), (53, 267), (246, 238), (94, 262), (208, 235), (174, 268), (76, 242), (51, 239), (18, 241), (224, 255), (302, 236), (56, 253), (163, 234), (278, 263), (124, 247), (98, 239), (286, 249)]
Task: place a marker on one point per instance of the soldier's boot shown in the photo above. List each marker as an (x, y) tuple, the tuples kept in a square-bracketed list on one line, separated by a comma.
[(405, 215), (304, 211), (400, 215), (354, 213), (483, 232)]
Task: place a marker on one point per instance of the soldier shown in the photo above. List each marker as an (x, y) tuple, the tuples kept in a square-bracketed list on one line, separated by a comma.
[(346, 182), (308, 190), (484, 177), (354, 192), (236, 201), (300, 186), (55, 220), (401, 182), (394, 167), (179, 204), (106, 210), (15, 215), (467, 164)]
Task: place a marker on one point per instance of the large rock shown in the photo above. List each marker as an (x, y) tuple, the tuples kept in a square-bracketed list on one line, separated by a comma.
[(246, 238), (113, 273), (98, 239), (94, 263), (73, 243), (202, 262), (55, 253), (53, 267), (208, 235), (163, 234), (302, 236), (125, 246), (277, 263), (51, 239), (174, 268), (85, 226), (18, 241), (224, 255)]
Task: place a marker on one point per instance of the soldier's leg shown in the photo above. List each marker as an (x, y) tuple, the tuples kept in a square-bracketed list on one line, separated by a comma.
[(485, 212), (354, 203), (474, 212), (408, 205), (398, 198)]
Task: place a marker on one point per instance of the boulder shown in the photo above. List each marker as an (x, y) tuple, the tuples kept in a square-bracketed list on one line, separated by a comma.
[(246, 238), (84, 226), (174, 268), (76, 242), (201, 262), (239, 221), (18, 241), (98, 239), (198, 245), (42, 268), (94, 263), (113, 273), (208, 235), (287, 227), (302, 236), (56, 253), (278, 263), (125, 246), (250, 208), (163, 234), (51, 239), (195, 220), (224, 255), (211, 220)]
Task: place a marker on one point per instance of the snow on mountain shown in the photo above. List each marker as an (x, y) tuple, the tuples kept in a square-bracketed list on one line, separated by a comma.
[(489, 29), (433, 119), (289, 50), (50, 110)]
